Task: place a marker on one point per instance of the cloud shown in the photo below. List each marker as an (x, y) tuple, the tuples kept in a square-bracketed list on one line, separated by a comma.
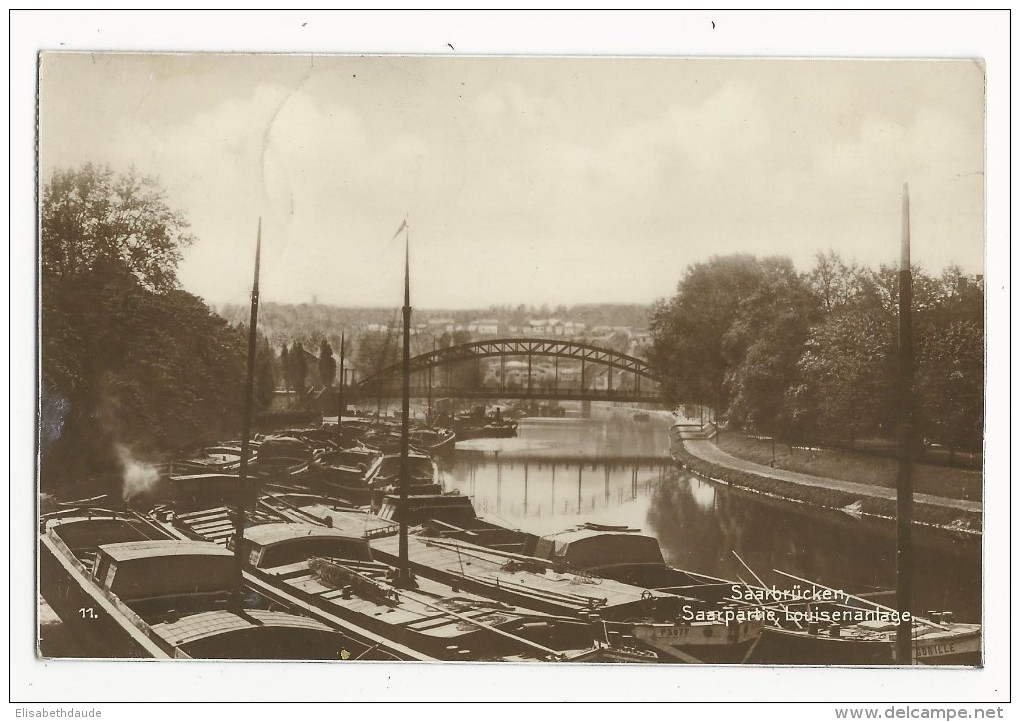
[(531, 177)]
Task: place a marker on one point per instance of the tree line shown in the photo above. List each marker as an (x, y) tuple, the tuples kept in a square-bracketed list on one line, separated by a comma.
[(812, 356), (128, 360)]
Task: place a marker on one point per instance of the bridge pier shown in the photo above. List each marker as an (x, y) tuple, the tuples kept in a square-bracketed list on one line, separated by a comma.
[(586, 409)]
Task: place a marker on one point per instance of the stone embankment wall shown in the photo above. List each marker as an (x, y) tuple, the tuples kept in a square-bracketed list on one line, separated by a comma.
[(946, 518)]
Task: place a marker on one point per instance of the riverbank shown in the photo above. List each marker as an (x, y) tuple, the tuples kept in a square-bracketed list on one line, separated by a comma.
[(702, 457), (859, 467)]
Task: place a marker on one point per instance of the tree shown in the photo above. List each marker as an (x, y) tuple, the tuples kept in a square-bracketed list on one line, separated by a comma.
[(763, 346), (376, 351), (618, 341), (848, 374), (455, 338), (464, 374), (848, 379), (835, 282), (265, 384), (127, 360), (327, 364), (299, 367), (285, 365), (688, 330), (123, 367), (89, 216), (950, 385), (950, 361)]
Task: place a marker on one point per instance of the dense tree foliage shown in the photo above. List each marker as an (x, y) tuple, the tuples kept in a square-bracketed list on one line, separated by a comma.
[(688, 330), (461, 375), (265, 375), (848, 375), (285, 367), (297, 367), (813, 355), (454, 339), (327, 364), (128, 361), (375, 351), (90, 215), (122, 365), (763, 344)]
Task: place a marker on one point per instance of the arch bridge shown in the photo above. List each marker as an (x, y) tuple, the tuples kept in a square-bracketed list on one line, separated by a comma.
[(589, 385)]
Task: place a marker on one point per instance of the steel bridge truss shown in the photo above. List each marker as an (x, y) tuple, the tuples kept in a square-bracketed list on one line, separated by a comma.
[(530, 348)]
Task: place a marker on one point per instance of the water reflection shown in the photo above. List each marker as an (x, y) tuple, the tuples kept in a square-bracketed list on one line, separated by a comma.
[(703, 493), (559, 474), (829, 547)]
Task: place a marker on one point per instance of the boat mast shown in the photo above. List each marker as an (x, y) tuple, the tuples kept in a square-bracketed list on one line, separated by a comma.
[(340, 400), (405, 566), (428, 416), (904, 475), (244, 494)]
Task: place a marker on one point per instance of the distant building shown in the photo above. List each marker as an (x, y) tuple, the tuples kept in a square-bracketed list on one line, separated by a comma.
[(544, 327), (548, 327), (569, 374), (534, 326), (484, 327), (573, 328), (418, 328), (642, 337)]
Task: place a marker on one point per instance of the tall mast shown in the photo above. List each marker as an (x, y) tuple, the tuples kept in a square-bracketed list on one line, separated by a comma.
[(904, 475), (244, 494), (405, 566), (340, 400), (429, 414)]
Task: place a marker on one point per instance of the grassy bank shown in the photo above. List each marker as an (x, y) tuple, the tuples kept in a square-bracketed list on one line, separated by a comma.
[(955, 519), (858, 467)]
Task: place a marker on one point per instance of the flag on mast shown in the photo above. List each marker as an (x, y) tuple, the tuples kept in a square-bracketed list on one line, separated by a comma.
[(403, 225)]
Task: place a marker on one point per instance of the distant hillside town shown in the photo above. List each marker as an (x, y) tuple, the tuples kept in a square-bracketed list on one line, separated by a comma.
[(622, 326)]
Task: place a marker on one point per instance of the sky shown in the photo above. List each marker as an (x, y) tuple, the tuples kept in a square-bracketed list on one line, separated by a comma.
[(202, 133), (526, 180)]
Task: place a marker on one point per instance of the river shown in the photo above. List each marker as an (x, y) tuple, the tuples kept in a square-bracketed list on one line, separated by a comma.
[(560, 472), (613, 469)]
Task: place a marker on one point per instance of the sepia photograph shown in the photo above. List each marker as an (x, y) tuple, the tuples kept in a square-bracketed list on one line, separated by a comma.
[(522, 361)]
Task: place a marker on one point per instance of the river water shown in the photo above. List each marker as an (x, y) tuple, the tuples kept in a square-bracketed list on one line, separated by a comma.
[(560, 472), (614, 469)]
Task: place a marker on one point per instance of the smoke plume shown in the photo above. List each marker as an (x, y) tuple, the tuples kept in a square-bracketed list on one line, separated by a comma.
[(138, 477)]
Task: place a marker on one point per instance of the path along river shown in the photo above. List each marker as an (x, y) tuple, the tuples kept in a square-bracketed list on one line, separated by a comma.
[(561, 472)]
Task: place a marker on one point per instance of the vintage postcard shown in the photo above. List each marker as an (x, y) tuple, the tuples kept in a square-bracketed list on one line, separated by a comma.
[(549, 361)]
